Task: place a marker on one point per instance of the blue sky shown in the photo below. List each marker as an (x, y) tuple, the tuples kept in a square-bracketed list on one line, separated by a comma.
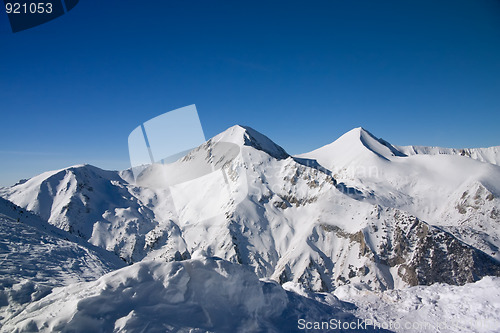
[(412, 72)]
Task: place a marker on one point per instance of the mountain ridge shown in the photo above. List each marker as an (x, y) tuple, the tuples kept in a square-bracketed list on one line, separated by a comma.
[(287, 218), (359, 217)]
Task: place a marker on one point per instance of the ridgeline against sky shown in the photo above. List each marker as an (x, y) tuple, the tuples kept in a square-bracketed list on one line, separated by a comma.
[(420, 72)]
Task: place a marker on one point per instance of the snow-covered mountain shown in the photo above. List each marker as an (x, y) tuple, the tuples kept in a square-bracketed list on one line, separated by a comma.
[(290, 218), (359, 212), (93, 204), (458, 192)]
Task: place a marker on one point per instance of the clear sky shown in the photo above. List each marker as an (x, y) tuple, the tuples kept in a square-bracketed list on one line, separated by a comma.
[(421, 72)]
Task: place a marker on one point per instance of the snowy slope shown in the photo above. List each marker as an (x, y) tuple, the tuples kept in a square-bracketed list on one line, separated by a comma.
[(98, 206), (452, 191), (203, 295), (35, 257), (439, 308)]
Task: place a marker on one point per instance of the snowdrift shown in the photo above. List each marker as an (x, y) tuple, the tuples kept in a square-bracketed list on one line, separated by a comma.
[(203, 295)]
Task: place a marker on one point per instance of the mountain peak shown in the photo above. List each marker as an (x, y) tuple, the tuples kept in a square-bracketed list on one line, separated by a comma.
[(378, 146), (356, 146), (247, 136), (359, 130)]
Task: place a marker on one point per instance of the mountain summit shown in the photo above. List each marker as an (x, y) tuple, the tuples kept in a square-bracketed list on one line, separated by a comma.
[(359, 135), (356, 146), (247, 136)]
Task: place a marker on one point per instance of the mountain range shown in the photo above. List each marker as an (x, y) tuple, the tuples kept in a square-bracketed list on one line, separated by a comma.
[(359, 213)]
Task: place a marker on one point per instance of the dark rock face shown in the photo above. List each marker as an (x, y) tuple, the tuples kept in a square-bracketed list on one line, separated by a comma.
[(428, 255), (414, 251)]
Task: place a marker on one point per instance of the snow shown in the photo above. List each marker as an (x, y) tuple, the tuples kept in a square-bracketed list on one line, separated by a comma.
[(247, 136), (36, 257), (209, 294), (94, 204), (285, 217), (488, 155), (428, 183), (439, 308), (360, 218), (204, 295)]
